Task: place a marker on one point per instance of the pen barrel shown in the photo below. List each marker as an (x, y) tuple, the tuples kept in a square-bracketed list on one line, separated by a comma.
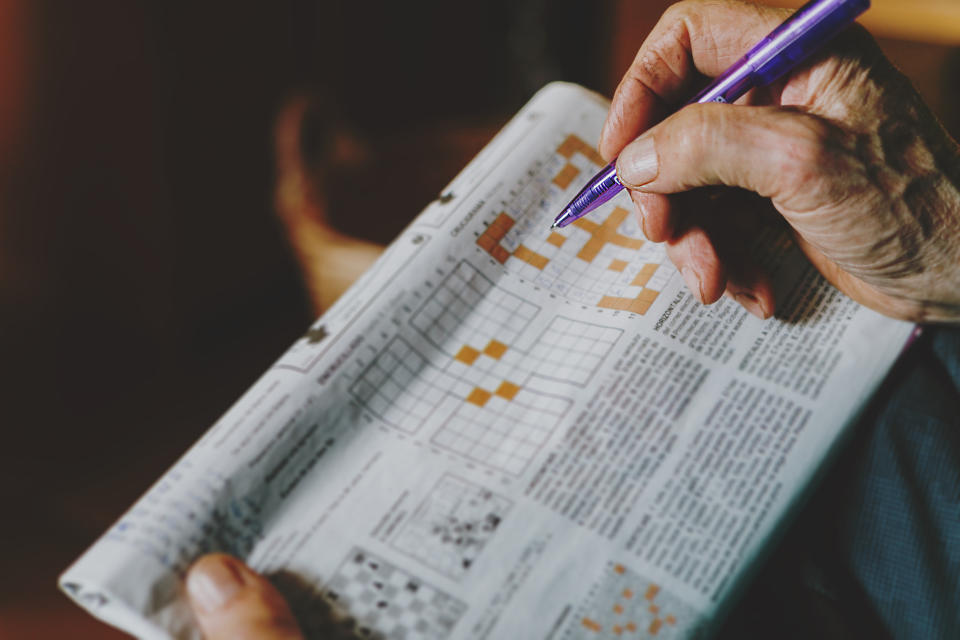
[(803, 34), (599, 190), (785, 48), (808, 29)]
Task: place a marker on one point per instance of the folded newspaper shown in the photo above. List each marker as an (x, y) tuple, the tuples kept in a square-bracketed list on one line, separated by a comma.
[(507, 431)]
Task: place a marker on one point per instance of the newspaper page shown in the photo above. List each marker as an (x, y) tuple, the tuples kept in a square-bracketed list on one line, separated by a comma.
[(508, 431)]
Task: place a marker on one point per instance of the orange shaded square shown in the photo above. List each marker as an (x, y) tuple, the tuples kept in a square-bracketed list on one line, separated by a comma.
[(486, 243), (619, 569), (566, 176), (612, 302), (625, 241), (570, 146), (655, 626), (652, 592), (618, 608), (479, 396), (648, 294), (638, 306), (631, 627), (500, 254), (593, 625), (495, 349), (530, 257), (500, 226), (590, 250), (616, 218), (507, 390), (601, 234), (643, 277), (467, 355), (587, 225), (592, 154), (617, 265), (617, 630), (556, 239), (654, 609), (627, 593), (670, 620)]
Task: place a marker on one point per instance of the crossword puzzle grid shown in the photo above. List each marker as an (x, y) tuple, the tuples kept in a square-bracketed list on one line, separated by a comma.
[(452, 525), (503, 428), (389, 603), (483, 386), (468, 306), (600, 260), (572, 351), (501, 433), (401, 387)]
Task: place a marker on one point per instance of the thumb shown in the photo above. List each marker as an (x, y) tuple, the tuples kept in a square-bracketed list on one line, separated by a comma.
[(772, 151), (231, 601)]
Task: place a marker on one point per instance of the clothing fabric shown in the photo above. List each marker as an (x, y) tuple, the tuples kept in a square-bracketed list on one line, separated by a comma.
[(876, 553), (899, 528)]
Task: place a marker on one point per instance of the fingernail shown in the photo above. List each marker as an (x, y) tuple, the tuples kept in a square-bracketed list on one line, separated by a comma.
[(693, 282), (638, 164), (212, 584), (751, 304)]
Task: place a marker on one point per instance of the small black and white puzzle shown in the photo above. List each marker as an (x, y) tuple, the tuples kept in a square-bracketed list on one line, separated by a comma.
[(387, 602)]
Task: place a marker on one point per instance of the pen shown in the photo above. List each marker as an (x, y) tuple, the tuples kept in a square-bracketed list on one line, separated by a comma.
[(809, 28)]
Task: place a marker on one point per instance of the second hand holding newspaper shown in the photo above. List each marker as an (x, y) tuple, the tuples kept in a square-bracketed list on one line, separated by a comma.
[(504, 430)]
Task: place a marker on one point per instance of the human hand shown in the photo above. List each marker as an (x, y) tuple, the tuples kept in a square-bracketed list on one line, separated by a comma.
[(843, 147), (232, 602)]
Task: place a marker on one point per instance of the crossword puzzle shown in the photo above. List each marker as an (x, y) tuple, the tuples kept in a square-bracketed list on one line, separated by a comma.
[(572, 351), (599, 260), (497, 420), (400, 387), (623, 603), (386, 602), (452, 525), (467, 305)]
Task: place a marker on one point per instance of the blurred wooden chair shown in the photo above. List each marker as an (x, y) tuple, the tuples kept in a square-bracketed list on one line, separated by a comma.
[(341, 198), (305, 146)]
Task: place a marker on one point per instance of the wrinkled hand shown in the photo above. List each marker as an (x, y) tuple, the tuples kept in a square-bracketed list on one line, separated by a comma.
[(843, 147), (231, 602)]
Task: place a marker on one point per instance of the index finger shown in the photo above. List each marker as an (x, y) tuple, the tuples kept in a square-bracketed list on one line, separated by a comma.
[(693, 38)]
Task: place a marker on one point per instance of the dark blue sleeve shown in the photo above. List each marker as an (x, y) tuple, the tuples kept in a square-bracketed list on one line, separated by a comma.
[(876, 552), (899, 532)]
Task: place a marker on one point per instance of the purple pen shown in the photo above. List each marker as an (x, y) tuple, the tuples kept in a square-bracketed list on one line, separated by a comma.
[(807, 30)]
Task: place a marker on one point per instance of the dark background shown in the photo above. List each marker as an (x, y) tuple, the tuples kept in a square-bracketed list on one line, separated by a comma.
[(145, 280)]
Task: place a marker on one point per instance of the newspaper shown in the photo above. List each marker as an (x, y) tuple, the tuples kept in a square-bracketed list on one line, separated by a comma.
[(508, 431)]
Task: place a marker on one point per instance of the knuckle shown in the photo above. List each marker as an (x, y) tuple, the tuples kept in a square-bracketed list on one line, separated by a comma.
[(697, 132), (652, 67), (809, 156), (680, 11), (675, 12), (692, 128), (686, 145)]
